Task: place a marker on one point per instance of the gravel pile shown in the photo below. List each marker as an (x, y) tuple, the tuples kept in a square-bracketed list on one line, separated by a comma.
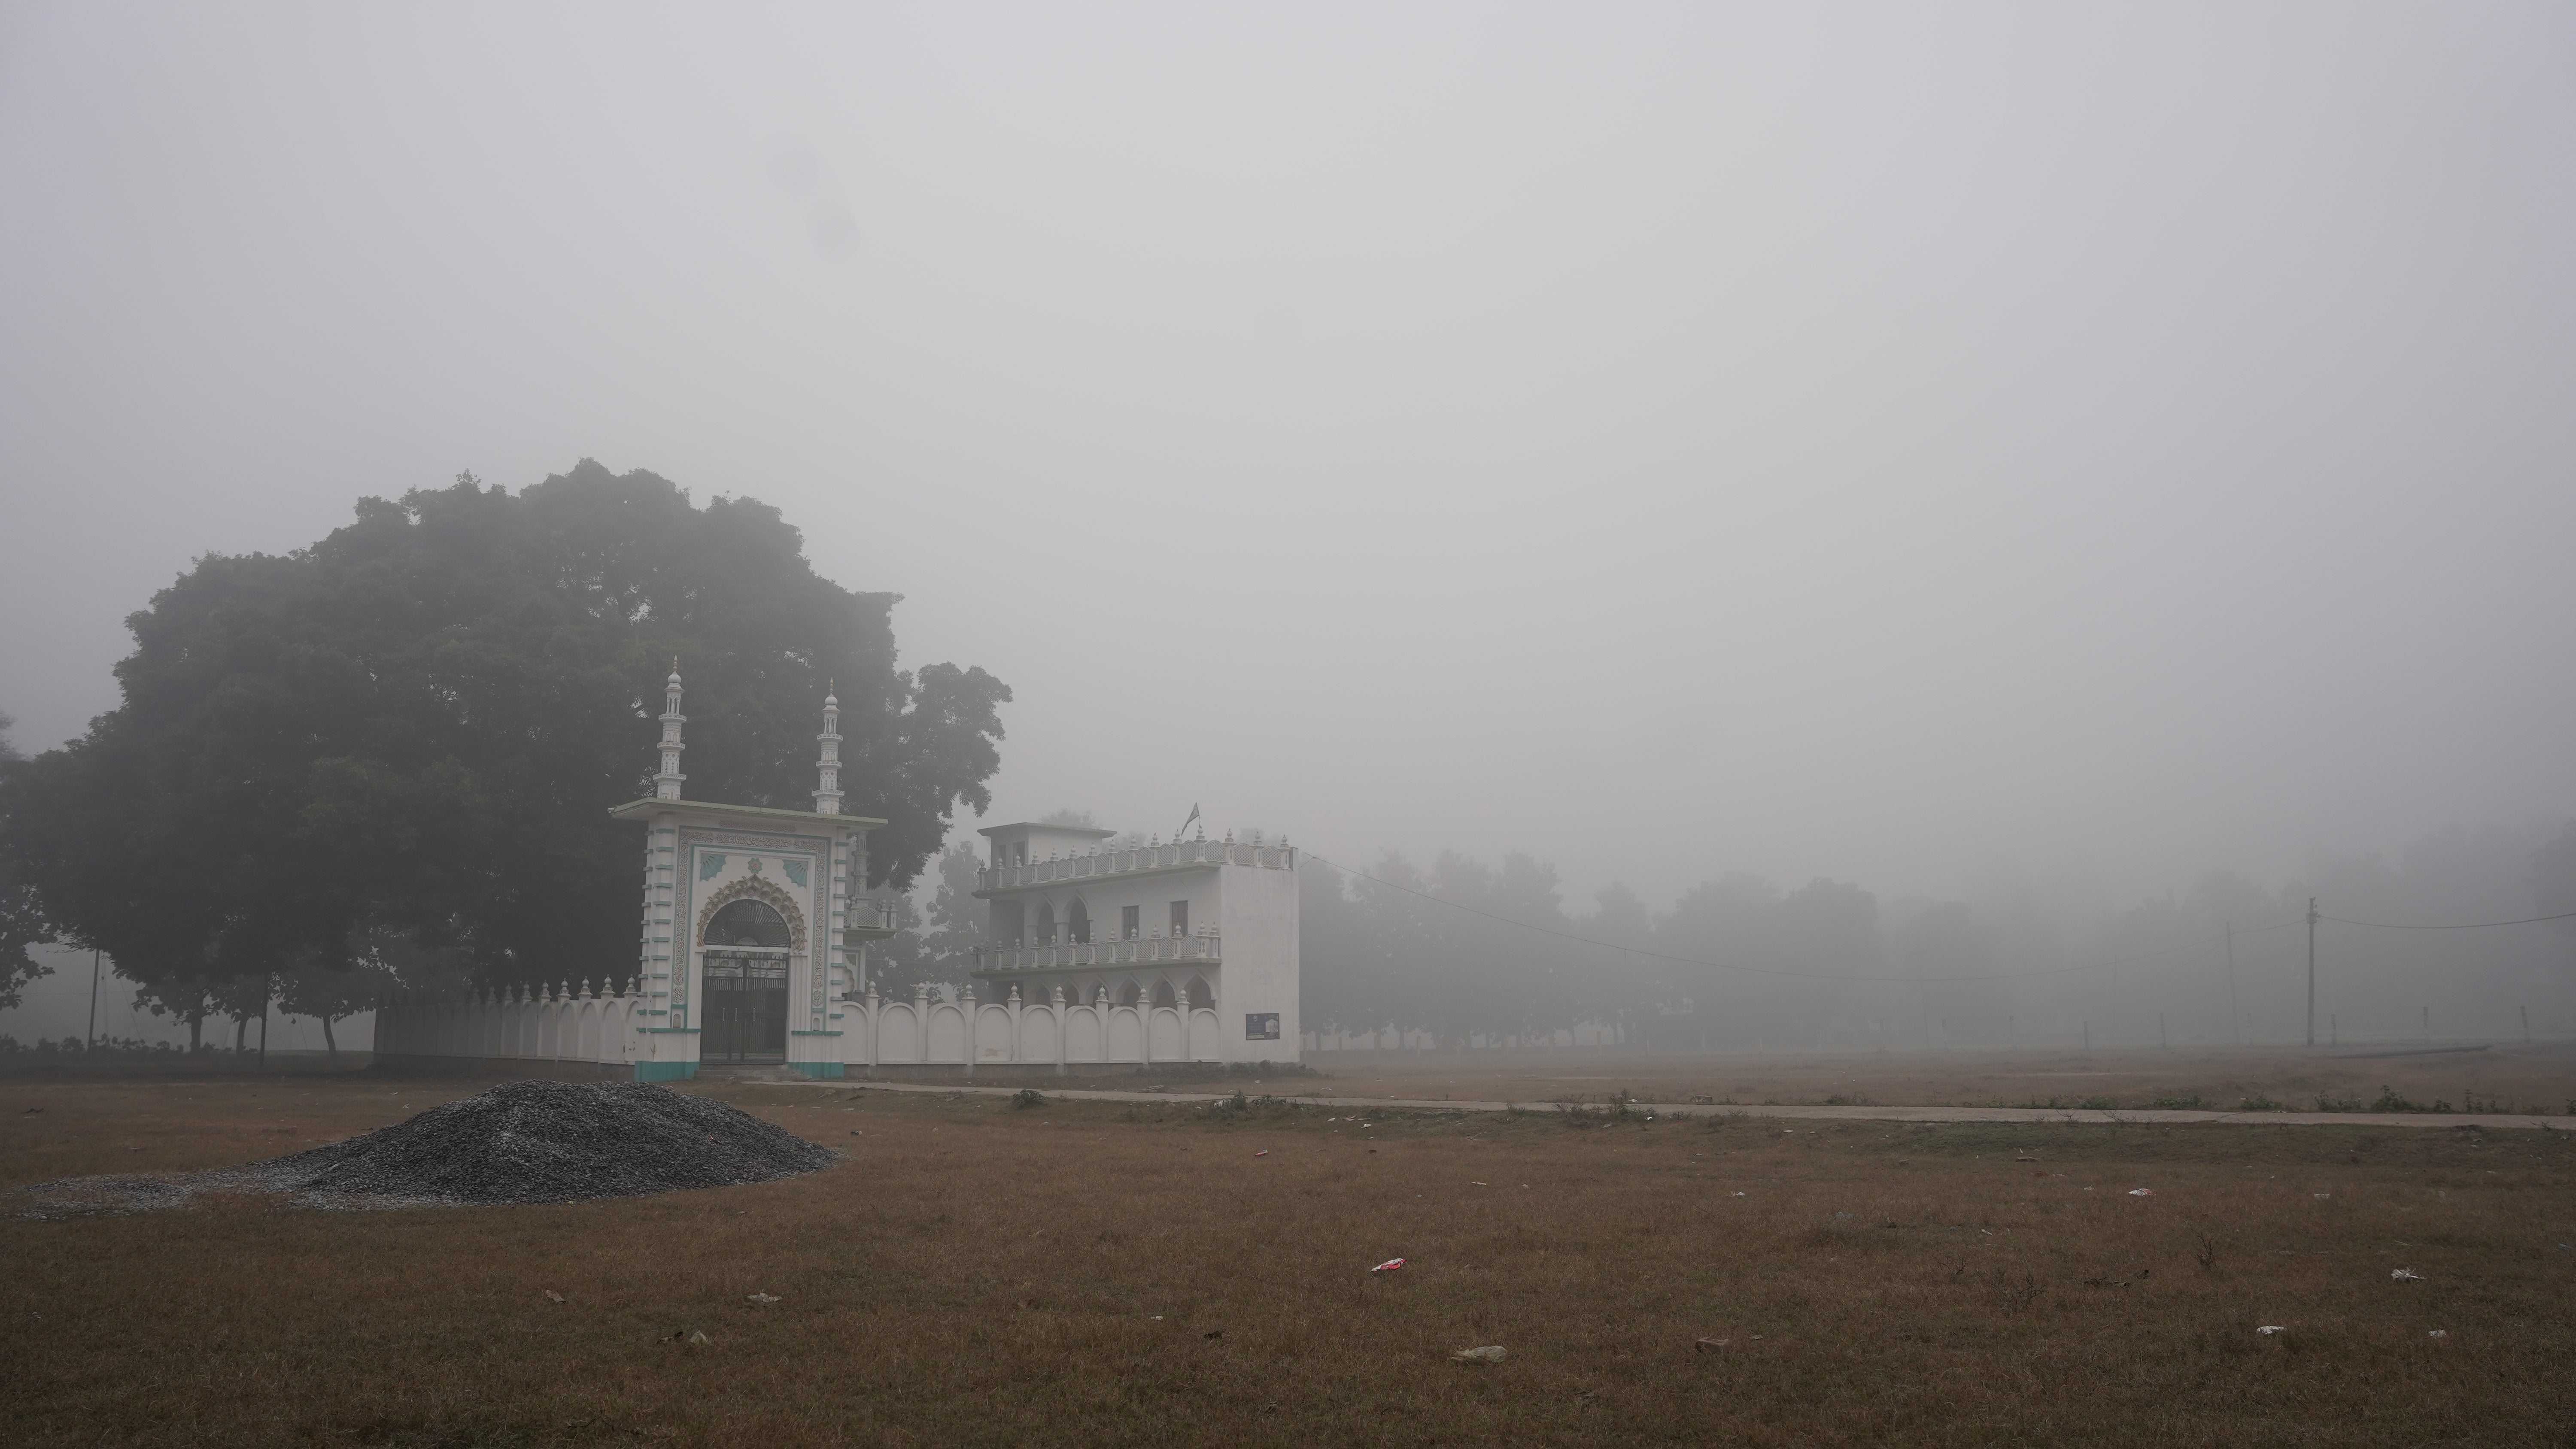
[(521, 1142)]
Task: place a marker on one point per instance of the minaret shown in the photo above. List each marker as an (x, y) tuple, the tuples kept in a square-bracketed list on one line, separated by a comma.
[(827, 800), (666, 785)]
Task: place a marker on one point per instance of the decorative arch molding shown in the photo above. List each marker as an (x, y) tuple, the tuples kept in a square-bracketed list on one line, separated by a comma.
[(765, 891)]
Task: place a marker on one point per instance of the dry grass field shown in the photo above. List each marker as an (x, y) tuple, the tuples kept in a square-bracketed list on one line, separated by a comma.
[(1100, 1274), (2506, 1077)]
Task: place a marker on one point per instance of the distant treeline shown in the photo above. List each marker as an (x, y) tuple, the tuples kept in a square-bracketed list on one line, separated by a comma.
[(1741, 963)]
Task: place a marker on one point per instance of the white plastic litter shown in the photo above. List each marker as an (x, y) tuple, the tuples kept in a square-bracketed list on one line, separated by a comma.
[(1490, 1353), (2267, 1330), (2142, 1192), (1389, 1266), (2407, 1275), (2437, 1333), (761, 1298)]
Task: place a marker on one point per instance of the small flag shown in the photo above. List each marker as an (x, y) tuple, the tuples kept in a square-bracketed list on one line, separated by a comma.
[(1185, 825)]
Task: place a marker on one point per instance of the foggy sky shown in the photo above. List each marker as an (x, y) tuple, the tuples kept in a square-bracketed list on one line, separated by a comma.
[(1927, 446)]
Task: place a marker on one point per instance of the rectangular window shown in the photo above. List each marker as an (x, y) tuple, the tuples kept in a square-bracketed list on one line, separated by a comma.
[(1128, 925), (1180, 918)]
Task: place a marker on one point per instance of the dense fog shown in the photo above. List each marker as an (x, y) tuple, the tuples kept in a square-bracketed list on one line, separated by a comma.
[(1865, 515)]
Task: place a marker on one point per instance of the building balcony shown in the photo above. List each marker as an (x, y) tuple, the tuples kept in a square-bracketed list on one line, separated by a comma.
[(1134, 860), (868, 920), (1202, 950)]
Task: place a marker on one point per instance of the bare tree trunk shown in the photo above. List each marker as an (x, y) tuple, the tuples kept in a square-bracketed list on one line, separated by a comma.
[(327, 1042), (241, 1033), (196, 1032)]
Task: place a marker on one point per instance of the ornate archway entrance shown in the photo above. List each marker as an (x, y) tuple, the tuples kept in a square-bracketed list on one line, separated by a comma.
[(745, 1006)]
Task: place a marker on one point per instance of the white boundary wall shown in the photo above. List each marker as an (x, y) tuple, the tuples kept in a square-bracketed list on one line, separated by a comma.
[(560, 1024), (928, 1032), (548, 1024)]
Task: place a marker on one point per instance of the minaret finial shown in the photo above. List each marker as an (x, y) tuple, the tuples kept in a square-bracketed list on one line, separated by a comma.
[(666, 785), (827, 799)]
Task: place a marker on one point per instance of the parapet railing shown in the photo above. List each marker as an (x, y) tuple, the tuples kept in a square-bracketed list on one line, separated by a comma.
[(1135, 858), (1203, 948)]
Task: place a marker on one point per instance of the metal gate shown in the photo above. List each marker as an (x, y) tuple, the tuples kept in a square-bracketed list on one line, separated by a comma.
[(746, 1009)]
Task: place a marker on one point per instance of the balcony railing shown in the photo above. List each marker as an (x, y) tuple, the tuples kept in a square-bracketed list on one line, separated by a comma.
[(1133, 859), (868, 920), (1206, 948)]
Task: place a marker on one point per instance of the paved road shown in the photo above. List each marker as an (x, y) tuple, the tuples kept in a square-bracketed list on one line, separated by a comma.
[(2489, 1120)]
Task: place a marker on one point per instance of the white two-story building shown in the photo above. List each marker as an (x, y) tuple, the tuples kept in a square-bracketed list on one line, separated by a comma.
[(1204, 930)]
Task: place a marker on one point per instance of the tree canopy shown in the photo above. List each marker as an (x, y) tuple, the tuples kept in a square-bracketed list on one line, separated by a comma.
[(22, 913), (420, 722)]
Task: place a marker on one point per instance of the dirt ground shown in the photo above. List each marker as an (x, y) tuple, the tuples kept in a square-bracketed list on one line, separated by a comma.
[(2512, 1077), (1088, 1273)]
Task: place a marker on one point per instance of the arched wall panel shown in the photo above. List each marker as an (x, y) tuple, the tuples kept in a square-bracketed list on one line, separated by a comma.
[(898, 1033), (992, 1033), (947, 1033), (1126, 1036), (1164, 1031), (1038, 1034), (1082, 1034)]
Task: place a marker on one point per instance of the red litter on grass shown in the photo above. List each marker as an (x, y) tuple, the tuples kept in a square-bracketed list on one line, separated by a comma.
[(1389, 1266), (1264, 1152)]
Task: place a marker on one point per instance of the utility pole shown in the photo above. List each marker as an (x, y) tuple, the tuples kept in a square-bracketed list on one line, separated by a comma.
[(2235, 1017), (91, 1041), (2312, 970)]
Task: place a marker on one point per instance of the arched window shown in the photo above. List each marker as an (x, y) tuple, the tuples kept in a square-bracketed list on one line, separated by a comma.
[(1046, 925), (1200, 997), (1163, 994), (749, 922), (1077, 924), (1128, 994)]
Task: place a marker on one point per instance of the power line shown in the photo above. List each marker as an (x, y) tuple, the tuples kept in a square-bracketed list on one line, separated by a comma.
[(1775, 971), (2463, 926)]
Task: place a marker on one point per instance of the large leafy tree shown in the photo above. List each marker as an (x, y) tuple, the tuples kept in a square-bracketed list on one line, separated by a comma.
[(419, 724), (22, 914)]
